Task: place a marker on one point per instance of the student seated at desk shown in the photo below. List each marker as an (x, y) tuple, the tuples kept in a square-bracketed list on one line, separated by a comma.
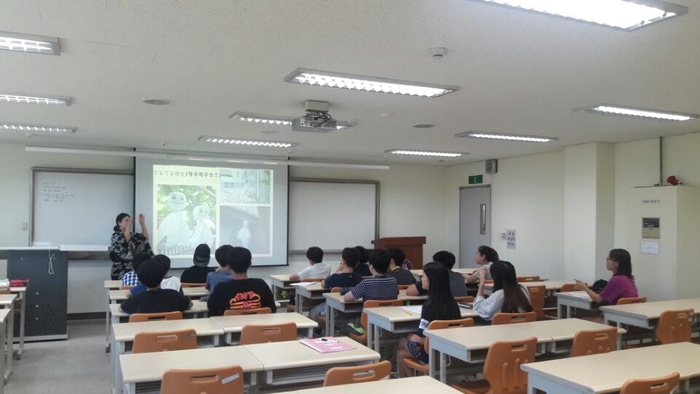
[(241, 292), (508, 296), (457, 286), (199, 271), (440, 305), (130, 278), (155, 299), (621, 285), (362, 267), (484, 257), (316, 269), (169, 281), (347, 277), (380, 286), (222, 274), (403, 276)]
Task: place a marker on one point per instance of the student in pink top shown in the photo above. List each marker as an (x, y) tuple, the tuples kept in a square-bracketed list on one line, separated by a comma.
[(621, 285)]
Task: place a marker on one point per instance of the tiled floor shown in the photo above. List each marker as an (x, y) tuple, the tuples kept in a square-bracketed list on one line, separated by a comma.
[(77, 365)]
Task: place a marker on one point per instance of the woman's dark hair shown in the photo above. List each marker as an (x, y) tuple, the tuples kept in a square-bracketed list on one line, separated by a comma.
[(514, 298), (440, 304), (623, 260), (489, 253), (446, 258), (362, 254), (120, 217), (350, 256)]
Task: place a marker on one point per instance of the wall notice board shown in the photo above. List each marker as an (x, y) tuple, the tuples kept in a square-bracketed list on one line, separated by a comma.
[(78, 207), (332, 214)]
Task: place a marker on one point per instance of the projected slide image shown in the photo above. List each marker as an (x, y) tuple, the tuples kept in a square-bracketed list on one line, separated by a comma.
[(247, 226), (244, 186), (185, 218)]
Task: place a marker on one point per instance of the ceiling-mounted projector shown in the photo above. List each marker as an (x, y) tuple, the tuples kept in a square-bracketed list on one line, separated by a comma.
[(317, 119)]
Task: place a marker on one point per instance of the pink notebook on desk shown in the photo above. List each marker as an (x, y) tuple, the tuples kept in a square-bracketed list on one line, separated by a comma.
[(326, 344)]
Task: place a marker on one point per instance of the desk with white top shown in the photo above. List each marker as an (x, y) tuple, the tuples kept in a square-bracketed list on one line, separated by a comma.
[(574, 299), (606, 373), (550, 286), (646, 314), (336, 302), (199, 309), (279, 282), (117, 296), (416, 384), (149, 367), (418, 273), (4, 326), (396, 319), (22, 299), (234, 324), (311, 291), (7, 303), (123, 333)]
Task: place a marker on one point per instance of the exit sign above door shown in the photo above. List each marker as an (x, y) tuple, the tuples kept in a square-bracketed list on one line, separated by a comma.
[(476, 179)]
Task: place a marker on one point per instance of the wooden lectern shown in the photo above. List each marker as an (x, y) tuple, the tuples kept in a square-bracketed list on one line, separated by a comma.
[(412, 246)]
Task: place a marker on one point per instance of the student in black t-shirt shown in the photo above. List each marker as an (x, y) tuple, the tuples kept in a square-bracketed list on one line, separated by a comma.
[(241, 292), (199, 271), (155, 300), (362, 267), (403, 276)]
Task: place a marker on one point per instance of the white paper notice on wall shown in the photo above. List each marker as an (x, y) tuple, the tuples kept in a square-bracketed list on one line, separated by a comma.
[(510, 239), (649, 247)]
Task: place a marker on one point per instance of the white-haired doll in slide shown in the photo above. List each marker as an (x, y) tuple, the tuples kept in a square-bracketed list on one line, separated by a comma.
[(174, 229), (244, 234), (204, 229)]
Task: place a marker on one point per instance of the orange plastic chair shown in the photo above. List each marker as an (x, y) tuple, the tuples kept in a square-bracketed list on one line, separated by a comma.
[(510, 318), (675, 326), (226, 380), (594, 342), (631, 300), (363, 319), (126, 287), (186, 284), (337, 289), (502, 371), (145, 317), (357, 374), (464, 299), (264, 333), (660, 385), (567, 287), (5, 290), (252, 311), (537, 296), (436, 325), (149, 342), (528, 278)]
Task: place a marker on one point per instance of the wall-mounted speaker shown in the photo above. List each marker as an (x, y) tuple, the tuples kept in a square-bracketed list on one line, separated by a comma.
[(491, 166)]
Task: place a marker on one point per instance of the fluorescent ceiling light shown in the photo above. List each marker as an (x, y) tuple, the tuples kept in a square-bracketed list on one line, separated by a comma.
[(424, 153), (35, 128), (637, 112), (506, 137), (263, 119), (367, 84), (235, 141), (23, 99), (621, 14), (29, 43)]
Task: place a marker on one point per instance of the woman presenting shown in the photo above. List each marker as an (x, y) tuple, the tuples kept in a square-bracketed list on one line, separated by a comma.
[(126, 243)]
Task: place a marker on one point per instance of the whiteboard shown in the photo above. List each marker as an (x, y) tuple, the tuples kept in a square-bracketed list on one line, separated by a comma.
[(76, 207), (332, 214)]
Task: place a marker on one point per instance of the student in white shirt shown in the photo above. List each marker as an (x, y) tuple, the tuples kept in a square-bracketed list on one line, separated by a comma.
[(508, 296), (484, 257), (316, 268)]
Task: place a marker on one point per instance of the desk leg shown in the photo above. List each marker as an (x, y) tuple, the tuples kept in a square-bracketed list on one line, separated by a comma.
[(107, 325), (559, 305), (568, 311), (376, 338), (299, 301), (330, 321), (3, 327), (443, 370), (9, 355), (431, 363)]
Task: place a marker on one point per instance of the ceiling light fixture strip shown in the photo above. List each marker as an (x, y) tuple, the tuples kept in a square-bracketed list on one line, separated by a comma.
[(642, 113), (15, 98), (36, 128), (367, 83), (620, 14), (264, 119), (233, 141), (424, 153), (29, 43)]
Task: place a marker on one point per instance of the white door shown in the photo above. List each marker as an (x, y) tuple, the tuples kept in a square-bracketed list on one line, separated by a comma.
[(474, 222)]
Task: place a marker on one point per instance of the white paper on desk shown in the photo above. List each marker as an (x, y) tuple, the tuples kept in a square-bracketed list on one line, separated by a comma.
[(417, 309), (579, 294), (305, 284)]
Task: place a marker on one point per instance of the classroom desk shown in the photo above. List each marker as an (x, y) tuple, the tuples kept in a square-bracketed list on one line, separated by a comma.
[(334, 301), (199, 309), (7, 302), (647, 314), (123, 333), (234, 324), (149, 367), (278, 282), (4, 326), (117, 296), (550, 286), (395, 319), (293, 362), (22, 299), (563, 331), (416, 384), (113, 284), (419, 273), (471, 344), (573, 299), (605, 373), (313, 291)]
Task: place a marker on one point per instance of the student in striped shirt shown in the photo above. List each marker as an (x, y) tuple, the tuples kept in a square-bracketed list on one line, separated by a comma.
[(379, 287)]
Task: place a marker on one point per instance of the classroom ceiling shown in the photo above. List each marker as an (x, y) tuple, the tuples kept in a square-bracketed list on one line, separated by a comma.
[(518, 72)]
